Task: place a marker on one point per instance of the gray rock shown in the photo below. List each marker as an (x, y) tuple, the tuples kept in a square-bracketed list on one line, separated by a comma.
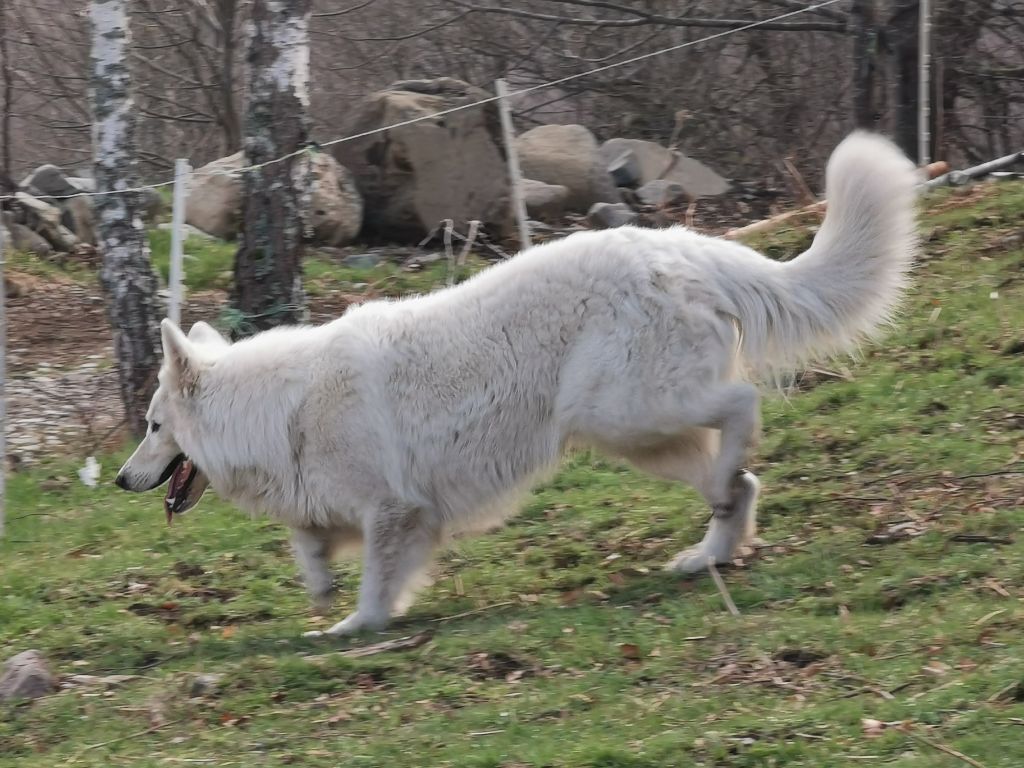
[(82, 183), (625, 169), (78, 214), (413, 177), (661, 192), (544, 202), (26, 676), (45, 219), (48, 181), (24, 239), (567, 155), (610, 215), (658, 162)]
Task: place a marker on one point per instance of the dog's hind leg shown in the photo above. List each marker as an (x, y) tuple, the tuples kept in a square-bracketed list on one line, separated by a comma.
[(398, 543), (734, 410), (730, 526), (695, 459)]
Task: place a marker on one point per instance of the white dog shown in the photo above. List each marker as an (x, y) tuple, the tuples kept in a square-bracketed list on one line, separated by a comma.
[(405, 422)]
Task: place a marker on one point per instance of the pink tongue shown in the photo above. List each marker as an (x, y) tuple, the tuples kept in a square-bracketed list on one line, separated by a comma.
[(177, 484)]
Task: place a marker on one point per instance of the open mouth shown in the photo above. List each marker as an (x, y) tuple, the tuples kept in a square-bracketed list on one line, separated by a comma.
[(186, 486)]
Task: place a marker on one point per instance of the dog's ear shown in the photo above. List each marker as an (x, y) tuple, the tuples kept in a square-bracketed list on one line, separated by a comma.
[(181, 367), (204, 333)]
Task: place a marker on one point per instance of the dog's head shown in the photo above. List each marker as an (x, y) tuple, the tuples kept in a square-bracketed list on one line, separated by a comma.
[(171, 420)]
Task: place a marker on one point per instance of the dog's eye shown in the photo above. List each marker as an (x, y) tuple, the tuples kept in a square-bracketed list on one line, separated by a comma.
[(154, 426)]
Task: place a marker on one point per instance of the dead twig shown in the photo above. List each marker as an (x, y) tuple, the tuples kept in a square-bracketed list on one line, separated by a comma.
[(798, 180), (979, 538), (474, 611), (944, 749), (722, 589)]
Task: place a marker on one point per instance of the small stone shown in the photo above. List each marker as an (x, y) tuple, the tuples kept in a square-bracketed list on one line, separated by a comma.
[(625, 169), (203, 685), (610, 215), (361, 260), (26, 676)]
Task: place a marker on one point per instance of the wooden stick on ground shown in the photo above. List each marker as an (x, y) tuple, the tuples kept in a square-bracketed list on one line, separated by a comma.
[(945, 750), (798, 180), (720, 583)]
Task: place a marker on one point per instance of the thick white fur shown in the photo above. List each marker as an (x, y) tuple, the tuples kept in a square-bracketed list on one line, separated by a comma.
[(405, 422)]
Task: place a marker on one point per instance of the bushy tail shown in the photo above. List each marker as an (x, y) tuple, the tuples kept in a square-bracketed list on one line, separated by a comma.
[(848, 283)]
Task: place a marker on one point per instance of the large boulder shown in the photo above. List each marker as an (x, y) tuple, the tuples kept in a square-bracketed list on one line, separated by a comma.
[(49, 181), (337, 206), (214, 202), (567, 155), (651, 161), (414, 176), (25, 240)]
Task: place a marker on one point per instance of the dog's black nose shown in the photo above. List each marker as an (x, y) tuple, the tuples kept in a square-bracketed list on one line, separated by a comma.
[(121, 482)]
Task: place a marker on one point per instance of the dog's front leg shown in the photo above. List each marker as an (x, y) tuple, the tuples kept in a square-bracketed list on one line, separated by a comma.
[(398, 542), (312, 553)]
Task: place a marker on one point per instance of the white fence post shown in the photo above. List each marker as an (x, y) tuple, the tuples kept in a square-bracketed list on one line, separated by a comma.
[(513, 164), (176, 276), (924, 55)]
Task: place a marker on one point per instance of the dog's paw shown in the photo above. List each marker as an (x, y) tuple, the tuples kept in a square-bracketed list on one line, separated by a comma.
[(691, 560)]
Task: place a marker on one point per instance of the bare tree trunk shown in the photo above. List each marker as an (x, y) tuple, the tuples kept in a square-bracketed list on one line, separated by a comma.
[(227, 12), (126, 274), (863, 19), (268, 265), (6, 173), (902, 31)]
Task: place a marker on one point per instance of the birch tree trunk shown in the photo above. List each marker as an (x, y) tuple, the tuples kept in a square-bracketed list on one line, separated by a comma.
[(268, 265), (126, 274)]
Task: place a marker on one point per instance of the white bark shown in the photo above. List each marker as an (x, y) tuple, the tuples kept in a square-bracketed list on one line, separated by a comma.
[(126, 275)]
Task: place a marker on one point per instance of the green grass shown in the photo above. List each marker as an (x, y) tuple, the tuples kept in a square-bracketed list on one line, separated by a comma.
[(557, 641), (209, 265)]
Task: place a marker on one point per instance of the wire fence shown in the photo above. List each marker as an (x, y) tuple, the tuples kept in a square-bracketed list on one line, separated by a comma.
[(462, 107)]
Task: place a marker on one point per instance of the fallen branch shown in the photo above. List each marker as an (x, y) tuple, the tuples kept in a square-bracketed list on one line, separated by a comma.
[(720, 583), (798, 180), (400, 644), (932, 170), (979, 538)]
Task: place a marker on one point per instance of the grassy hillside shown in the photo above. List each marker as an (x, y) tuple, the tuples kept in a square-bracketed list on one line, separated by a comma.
[(880, 619)]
